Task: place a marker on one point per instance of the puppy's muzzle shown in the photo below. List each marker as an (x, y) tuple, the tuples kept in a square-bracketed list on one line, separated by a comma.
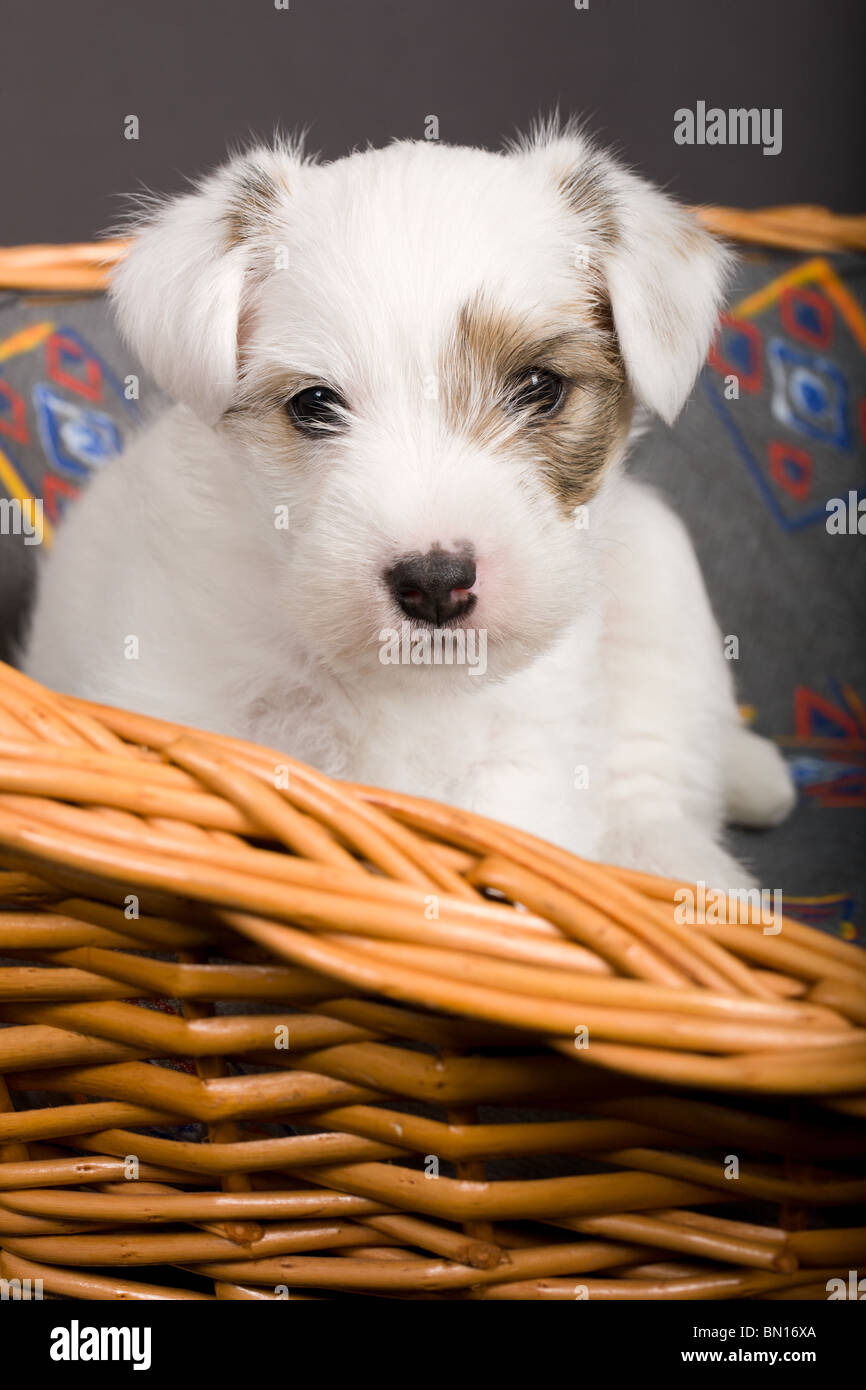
[(434, 588)]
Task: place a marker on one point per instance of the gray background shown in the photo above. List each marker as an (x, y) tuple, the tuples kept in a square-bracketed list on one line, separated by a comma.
[(201, 74)]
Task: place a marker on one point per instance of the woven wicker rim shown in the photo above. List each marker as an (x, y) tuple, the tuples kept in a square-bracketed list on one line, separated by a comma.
[(389, 892)]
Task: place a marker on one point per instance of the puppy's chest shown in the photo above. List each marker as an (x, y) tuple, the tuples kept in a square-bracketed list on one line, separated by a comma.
[(537, 740), (525, 736)]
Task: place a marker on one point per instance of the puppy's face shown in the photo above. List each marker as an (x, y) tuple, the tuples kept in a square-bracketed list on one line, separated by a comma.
[(428, 356)]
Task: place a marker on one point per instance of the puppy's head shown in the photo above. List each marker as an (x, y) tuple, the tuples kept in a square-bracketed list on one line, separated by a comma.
[(430, 357)]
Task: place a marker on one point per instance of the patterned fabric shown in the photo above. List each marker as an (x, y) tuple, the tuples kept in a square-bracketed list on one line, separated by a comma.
[(773, 435), (66, 408), (63, 409), (784, 342)]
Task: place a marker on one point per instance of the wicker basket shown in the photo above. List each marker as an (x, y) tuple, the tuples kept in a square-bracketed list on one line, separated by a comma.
[(250, 1015)]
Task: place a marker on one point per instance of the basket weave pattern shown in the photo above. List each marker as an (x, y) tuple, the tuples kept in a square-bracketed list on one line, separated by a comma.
[(250, 1015)]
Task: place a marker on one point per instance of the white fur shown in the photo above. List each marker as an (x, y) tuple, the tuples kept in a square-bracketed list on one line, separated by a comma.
[(604, 661)]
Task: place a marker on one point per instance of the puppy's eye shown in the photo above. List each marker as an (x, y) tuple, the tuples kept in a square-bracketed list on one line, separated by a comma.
[(316, 409), (536, 390)]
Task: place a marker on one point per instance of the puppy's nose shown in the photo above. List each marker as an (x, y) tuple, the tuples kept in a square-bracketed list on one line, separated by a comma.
[(434, 587)]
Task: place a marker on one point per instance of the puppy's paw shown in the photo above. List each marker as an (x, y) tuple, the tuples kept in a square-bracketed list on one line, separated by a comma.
[(677, 850), (759, 789)]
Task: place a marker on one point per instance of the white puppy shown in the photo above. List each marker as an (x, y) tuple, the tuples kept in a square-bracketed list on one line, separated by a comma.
[(405, 385)]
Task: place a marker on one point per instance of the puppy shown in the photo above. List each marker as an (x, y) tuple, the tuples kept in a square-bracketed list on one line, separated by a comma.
[(386, 528)]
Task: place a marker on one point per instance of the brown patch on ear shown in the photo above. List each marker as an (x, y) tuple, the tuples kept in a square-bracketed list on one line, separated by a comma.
[(691, 240), (585, 189), (571, 447), (252, 204)]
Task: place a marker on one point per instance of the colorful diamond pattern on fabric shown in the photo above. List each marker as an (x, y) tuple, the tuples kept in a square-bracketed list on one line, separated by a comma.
[(778, 343), (77, 412)]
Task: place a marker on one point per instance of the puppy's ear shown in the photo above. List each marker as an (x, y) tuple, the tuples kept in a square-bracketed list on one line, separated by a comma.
[(178, 295), (663, 274)]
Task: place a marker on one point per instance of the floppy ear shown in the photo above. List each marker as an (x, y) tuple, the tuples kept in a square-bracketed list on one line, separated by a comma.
[(178, 295), (663, 274)]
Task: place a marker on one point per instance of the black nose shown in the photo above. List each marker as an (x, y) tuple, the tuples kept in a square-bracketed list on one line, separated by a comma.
[(434, 587)]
